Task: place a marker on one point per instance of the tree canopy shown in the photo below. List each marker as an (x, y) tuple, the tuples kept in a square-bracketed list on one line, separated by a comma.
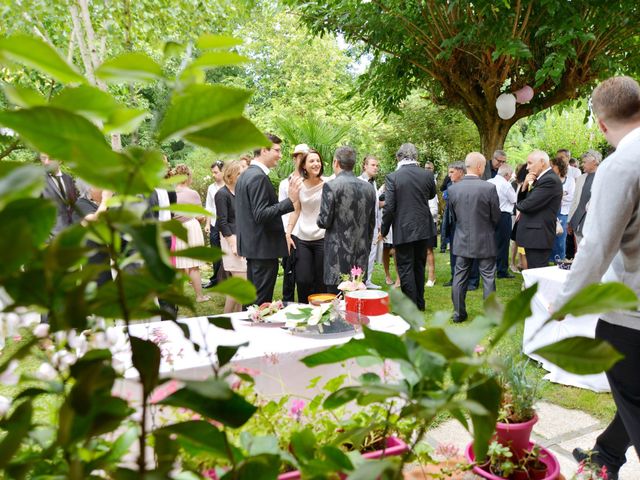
[(467, 53)]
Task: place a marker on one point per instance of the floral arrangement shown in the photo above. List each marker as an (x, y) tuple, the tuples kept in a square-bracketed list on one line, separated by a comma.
[(260, 313), (352, 282), (588, 470)]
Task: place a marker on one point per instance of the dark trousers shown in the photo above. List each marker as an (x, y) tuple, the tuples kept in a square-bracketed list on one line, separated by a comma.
[(289, 278), (503, 237), (263, 273), (624, 429), (309, 268), (214, 241), (444, 229), (474, 276), (410, 259), (537, 258), (571, 246), (461, 279)]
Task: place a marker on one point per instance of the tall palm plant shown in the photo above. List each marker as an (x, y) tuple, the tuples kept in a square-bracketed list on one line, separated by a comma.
[(318, 133)]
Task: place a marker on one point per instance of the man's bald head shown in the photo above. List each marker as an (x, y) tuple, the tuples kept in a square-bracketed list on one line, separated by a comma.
[(537, 162), (475, 163)]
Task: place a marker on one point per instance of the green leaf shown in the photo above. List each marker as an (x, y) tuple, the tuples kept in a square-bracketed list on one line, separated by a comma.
[(339, 353), (373, 469), (18, 426), (436, 340), (486, 392), (209, 41), (581, 355), (207, 254), (119, 448), (71, 138), (516, 311), (37, 54), (238, 288), (130, 67), (124, 120), (146, 357), (23, 96), (186, 209), (405, 308), (218, 59), (149, 243), (388, 345), (337, 458), (200, 436), (304, 444), (176, 228), (221, 322), (213, 399), (261, 467), (599, 298), (226, 352), (230, 136), (18, 180), (86, 100), (341, 397), (202, 106)]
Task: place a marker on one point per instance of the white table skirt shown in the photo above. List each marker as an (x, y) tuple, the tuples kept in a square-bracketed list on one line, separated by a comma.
[(272, 356), (550, 281)]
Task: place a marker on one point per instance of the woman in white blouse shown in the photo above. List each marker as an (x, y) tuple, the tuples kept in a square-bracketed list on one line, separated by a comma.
[(302, 223), (560, 166)]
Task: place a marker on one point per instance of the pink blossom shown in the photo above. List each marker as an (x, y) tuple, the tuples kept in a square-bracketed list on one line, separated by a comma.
[(297, 405), (164, 390), (211, 473), (479, 349), (447, 450), (356, 271), (249, 371)]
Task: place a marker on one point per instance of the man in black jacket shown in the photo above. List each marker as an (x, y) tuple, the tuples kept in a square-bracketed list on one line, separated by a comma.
[(259, 226), (407, 194), (538, 211)]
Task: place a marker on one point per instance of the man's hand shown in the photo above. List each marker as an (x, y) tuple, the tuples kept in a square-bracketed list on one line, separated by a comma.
[(232, 244), (294, 189)]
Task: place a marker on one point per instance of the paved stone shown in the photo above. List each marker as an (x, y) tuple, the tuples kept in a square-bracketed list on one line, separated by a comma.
[(555, 421), (630, 470), (558, 429)]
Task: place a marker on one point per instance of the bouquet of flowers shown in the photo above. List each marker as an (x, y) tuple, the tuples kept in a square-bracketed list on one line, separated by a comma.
[(260, 313), (353, 282)]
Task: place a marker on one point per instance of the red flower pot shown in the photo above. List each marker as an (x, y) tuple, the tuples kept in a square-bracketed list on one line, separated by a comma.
[(546, 457), (516, 436), (367, 302), (395, 446)]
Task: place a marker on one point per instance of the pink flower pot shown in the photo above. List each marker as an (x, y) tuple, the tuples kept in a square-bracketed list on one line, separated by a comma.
[(546, 457), (395, 446), (516, 436)]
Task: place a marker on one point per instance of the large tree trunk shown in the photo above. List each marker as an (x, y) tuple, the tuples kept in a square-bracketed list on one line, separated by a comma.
[(493, 133)]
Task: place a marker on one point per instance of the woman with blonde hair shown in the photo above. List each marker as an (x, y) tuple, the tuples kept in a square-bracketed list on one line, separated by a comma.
[(187, 196), (225, 200)]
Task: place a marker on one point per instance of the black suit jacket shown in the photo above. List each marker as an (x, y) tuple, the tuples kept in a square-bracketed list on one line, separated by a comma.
[(538, 213), (406, 204), (64, 204), (259, 229)]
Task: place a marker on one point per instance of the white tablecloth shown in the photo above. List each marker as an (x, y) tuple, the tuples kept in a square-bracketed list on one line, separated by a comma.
[(272, 355), (550, 280)]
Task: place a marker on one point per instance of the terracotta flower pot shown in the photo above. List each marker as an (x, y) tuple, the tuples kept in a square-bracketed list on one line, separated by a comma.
[(516, 436)]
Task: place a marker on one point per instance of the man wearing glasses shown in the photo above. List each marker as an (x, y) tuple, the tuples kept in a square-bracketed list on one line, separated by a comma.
[(499, 158)]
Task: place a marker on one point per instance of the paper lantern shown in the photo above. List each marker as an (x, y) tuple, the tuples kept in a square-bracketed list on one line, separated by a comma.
[(524, 95), (506, 106)]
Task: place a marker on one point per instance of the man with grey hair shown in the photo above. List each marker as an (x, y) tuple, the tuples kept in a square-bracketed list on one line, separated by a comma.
[(590, 161), (407, 194), (507, 196), (538, 210), (611, 248), (476, 209), (499, 158), (347, 213)]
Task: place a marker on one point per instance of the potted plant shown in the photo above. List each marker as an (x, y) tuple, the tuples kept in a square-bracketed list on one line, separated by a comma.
[(532, 464), (517, 415)]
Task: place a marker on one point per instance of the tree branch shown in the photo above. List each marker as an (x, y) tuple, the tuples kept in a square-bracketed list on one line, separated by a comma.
[(15, 145)]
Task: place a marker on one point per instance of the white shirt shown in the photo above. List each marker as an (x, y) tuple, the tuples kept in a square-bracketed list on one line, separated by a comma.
[(210, 203), (262, 166), (506, 193), (573, 172), (568, 189), (283, 192)]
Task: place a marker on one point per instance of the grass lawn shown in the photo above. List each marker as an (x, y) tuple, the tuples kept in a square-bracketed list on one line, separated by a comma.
[(438, 298)]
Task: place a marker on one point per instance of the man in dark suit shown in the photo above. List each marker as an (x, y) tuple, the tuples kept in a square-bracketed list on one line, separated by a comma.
[(407, 194), (538, 211), (347, 212), (475, 207), (61, 190), (260, 233)]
